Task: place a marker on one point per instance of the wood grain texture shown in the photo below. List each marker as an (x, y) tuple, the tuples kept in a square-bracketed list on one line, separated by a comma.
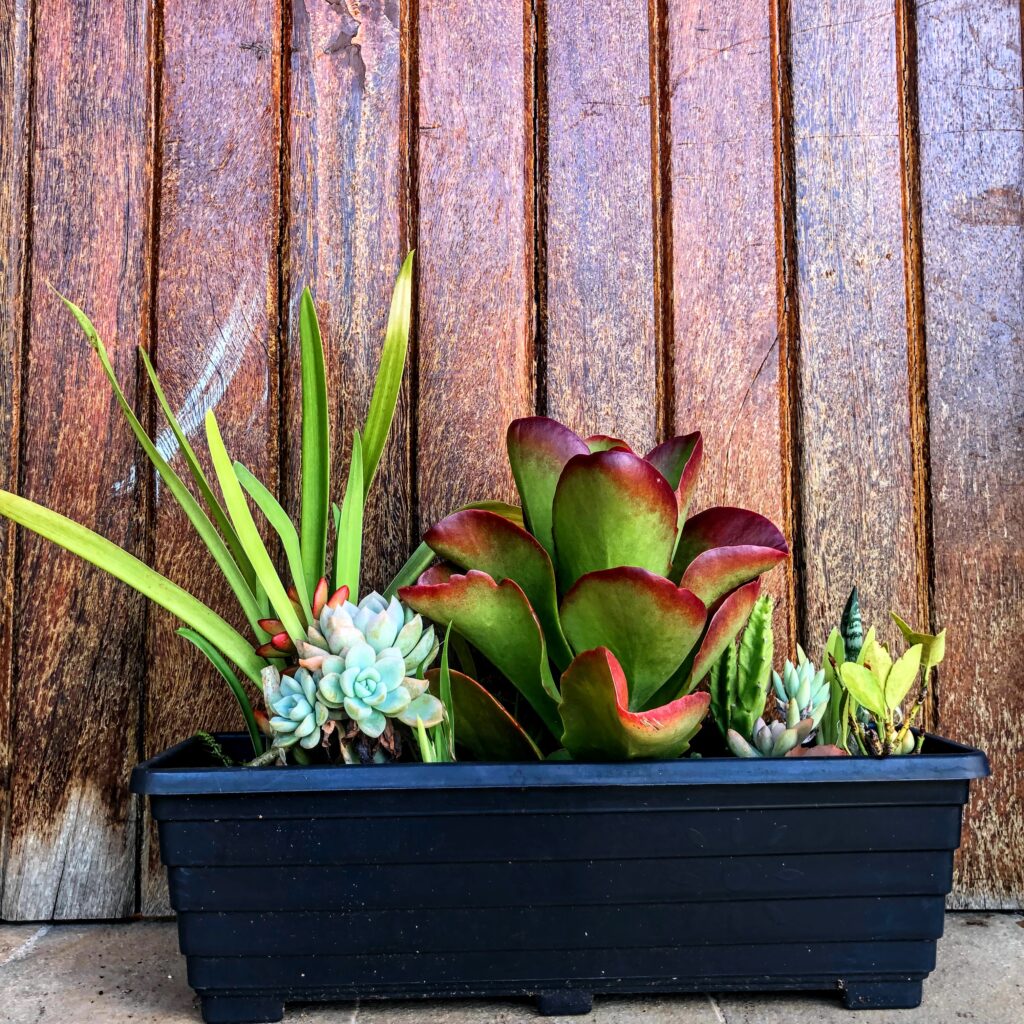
[(601, 347), (15, 29), (346, 241), (217, 318), (972, 189), (79, 641), (728, 365), (475, 238), (856, 488)]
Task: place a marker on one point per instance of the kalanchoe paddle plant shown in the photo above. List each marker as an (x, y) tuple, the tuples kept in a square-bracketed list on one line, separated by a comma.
[(360, 667), (600, 600)]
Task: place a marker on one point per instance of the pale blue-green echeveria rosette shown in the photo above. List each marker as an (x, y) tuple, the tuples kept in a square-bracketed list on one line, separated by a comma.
[(296, 714)]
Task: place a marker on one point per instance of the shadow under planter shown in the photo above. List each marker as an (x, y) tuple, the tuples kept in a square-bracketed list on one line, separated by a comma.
[(557, 880)]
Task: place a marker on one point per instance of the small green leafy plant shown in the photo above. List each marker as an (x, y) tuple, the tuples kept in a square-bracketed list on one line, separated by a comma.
[(360, 666)]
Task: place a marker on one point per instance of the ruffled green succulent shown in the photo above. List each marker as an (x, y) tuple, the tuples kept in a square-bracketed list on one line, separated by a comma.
[(801, 690)]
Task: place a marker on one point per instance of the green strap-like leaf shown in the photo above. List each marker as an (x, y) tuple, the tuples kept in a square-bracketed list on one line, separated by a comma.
[(389, 374), (220, 517), (236, 580), (242, 520), (349, 525), (316, 445), (82, 541), (285, 529), (220, 664)]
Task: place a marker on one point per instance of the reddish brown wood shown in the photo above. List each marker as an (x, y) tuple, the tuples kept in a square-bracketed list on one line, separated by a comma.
[(728, 364), (601, 344), (856, 490), (972, 182), (80, 635), (474, 154), (217, 318), (14, 126), (346, 241)]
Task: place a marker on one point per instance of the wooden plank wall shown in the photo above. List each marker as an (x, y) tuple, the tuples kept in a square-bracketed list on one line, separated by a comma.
[(795, 224)]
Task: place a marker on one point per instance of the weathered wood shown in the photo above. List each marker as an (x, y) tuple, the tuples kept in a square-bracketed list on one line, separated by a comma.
[(217, 317), (856, 487), (972, 183), (728, 350), (475, 236), (601, 357), (80, 635), (14, 127), (347, 240)]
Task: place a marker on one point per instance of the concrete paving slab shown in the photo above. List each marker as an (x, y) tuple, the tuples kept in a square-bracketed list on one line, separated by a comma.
[(121, 973)]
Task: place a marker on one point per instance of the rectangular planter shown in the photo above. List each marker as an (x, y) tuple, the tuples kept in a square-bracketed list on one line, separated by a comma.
[(558, 880)]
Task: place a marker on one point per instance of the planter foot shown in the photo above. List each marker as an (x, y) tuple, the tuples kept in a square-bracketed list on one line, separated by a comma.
[(881, 995), (568, 1003), (242, 1009)]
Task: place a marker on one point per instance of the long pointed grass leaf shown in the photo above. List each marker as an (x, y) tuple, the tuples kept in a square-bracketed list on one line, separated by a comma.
[(245, 526), (285, 529), (388, 385), (316, 445), (220, 517), (220, 663), (445, 692), (104, 554), (206, 530), (349, 547)]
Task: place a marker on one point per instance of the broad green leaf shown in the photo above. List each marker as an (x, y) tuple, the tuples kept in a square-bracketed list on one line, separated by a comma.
[(285, 529), (220, 517), (645, 620), (348, 550), (934, 645), (389, 374), (316, 445), (598, 724), (242, 520), (864, 686), (81, 541), (902, 675), (220, 664), (486, 729), (206, 530)]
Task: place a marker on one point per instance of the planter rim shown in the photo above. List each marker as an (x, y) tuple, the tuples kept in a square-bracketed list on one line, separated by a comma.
[(945, 761)]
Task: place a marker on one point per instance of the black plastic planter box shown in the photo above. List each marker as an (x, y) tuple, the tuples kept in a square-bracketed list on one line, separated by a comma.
[(558, 880)]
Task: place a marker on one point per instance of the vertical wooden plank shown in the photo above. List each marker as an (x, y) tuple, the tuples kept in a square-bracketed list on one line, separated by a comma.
[(347, 240), (475, 238), (80, 635), (601, 346), (856, 489), (217, 316), (972, 191), (728, 353), (15, 31)]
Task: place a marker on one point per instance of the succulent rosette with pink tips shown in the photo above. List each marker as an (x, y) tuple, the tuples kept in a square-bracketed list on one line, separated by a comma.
[(600, 599)]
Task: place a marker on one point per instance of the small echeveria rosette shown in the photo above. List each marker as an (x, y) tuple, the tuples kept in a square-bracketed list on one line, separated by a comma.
[(296, 714)]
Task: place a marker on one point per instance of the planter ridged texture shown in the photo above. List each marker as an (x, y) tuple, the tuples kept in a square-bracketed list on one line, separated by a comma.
[(557, 880)]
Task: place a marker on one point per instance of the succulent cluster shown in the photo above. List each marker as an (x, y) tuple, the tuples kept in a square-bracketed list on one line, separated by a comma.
[(600, 599), (801, 691)]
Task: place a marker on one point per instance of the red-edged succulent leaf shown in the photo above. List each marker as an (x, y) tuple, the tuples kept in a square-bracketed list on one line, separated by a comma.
[(723, 548), (282, 642), (338, 598), (497, 619), (477, 539), (440, 573), (725, 623), (320, 595), (645, 620), (600, 726), (827, 750), (678, 460), (538, 449), (482, 725), (606, 443), (611, 509), (271, 626)]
